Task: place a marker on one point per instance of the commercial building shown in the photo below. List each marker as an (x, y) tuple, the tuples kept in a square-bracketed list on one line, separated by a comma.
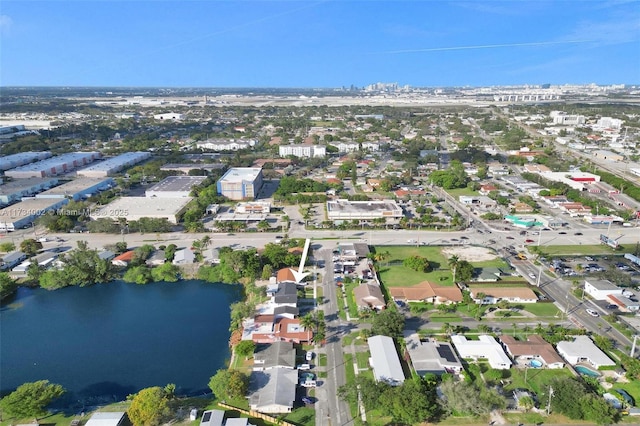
[(225, 145), (10, 260), (174, 186), (303, 151), (187, 167), (431, 356), (562, 118), (113, 165), (22, 158), (385, 361), (582, 349), (485, 347), (600, 289), (54, 166), (240, 183), (13, 191), (24, 213), (135, 208), (78, 189), (363, 210)]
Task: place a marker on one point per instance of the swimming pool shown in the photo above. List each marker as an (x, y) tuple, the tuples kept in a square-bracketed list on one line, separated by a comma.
[(586, 371), (534, 363)]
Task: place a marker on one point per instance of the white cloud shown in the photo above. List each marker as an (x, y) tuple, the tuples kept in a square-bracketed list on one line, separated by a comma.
[(5, 24)]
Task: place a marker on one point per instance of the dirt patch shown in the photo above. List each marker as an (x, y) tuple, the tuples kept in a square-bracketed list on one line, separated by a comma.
[(470, 253)]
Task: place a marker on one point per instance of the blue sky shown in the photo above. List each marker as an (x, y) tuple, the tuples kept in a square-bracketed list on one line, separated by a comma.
[(209, 43)]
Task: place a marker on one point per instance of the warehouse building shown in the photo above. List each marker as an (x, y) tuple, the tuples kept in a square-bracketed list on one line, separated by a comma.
[(363, 210), (54, 166), (174, 186), (79, 188), (24, 213), (22, 158), (15, 190), (113, 165), (240, 183), (135, 208), (187, 167)]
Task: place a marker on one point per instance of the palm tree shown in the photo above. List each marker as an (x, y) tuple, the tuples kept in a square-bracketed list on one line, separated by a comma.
[(308, 322), (453, 263)]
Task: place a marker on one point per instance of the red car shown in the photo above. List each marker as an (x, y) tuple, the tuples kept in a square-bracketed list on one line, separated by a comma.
[(528, 241)]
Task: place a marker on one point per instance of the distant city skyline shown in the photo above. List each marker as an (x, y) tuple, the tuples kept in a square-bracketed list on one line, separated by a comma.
[(301, 44)]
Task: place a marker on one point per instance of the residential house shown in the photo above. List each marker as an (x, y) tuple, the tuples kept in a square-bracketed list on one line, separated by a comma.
[(431, 356), (269, 329), (157, 258), (534, 348), (10, 260), (582, 349), (369, 296), (116, 418), (212, 418), (273, 391), (123, 259), (485, 347), (427, 292), (493, 295), (184, 256), (275, 355), (385, 361)]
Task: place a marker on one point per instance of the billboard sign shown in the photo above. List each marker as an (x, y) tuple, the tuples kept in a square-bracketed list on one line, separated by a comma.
[(608, 241)]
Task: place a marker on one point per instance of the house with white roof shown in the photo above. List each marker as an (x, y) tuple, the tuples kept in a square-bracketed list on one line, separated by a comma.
[(106, 419), (385, 361), (273, 391), (485, 347), (582, 349)]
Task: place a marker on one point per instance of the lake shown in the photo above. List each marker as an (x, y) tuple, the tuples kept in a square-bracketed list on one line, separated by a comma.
[(109, 340)]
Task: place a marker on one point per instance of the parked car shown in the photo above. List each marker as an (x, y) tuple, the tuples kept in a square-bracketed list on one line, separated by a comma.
[(309, 355), (593, 313), (304, 367)]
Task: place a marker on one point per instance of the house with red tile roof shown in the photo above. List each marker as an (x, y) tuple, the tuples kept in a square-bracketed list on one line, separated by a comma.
[(427, 292), (534, 348), (123, 259)]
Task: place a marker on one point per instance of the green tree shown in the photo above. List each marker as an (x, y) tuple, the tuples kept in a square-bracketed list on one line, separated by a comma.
[(229, 384), (464, 271), (138, 275), (7, 247), (567, 393), (167, 272), (170, 252), (245, 348), (30, 399), (453, 263), (7, 285), (388, 323), (597, 409), (30, 247), (149, 407)]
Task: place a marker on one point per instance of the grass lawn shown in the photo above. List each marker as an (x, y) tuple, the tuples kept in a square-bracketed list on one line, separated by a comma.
[(350, 376), (541, 309), (633, 388), (438, 317), (393, 274), (351, 301), (455, 193), (495, 263), (322, 360), (362, 358), (585, 250), (303, 416), (537, 378)]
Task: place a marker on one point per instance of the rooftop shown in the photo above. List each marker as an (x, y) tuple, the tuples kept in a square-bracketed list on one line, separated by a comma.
[(385, 360), (241, 174), (177, 183)]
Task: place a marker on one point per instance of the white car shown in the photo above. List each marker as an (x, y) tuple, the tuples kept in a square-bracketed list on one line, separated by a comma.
[(532, 275), (309, 355), (593, 313), (304, 367)]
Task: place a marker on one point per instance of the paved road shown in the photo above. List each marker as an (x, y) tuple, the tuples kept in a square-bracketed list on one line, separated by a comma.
[(330, 411)]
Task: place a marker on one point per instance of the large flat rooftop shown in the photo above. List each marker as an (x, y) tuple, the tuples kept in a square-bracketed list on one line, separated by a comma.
[(177, 184), (241, 174)]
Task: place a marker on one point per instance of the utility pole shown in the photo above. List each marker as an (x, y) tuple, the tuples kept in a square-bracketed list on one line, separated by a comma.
[(549, 402), (633, 346)]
